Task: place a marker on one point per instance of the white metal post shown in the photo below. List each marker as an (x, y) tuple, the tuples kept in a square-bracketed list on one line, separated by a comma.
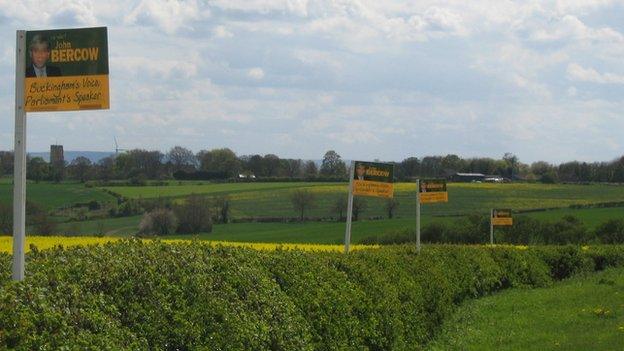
[(347, 240), (491, 227), (19, 163), (418, 215)]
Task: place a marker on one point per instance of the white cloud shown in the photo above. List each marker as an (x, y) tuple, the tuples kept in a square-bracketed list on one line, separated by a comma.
[(578, 73), (570, 27), (222, 32), (256, 73), (168, 15)]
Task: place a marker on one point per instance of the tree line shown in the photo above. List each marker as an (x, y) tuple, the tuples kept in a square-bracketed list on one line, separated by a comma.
[(224, 164)]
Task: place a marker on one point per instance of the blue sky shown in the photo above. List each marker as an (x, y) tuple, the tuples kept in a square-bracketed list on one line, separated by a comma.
[(370, 79)]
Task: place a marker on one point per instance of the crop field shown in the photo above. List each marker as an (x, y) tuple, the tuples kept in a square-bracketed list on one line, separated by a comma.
[(185, 188), (48, 242), (591, 217), (583, 313), (317, 232), (52, 196), (272, 199), (185, 295)]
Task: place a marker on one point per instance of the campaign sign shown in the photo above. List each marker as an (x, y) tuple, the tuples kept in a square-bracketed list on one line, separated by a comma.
[(66, 69), (432, 190), (373, 179), (502, 217)]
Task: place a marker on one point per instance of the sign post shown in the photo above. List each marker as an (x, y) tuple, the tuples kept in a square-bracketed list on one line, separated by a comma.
[(347, 240), (418, 215), (367, 179), (499, 217), (492, 227), (19, 163), (55, 70), (428, 191)]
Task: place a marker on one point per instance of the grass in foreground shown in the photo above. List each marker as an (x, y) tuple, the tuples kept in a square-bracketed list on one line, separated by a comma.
[(583, 313)]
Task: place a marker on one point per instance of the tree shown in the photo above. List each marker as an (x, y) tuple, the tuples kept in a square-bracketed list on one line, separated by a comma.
[(194, 215), (255, 165), (391, 206), (302, 200), (105, 168), (37, 169), (409, 167), (340, 207), (332, 165), (540, 168), (139, 163), (6, 219), (359, 206), (451, 164), (181, 159), (310, 169), (292, 168), (222, 209), (431, 166), (6, 162), (511, 161), (80, 168), (158, 222), (271, 165), (219, 160)]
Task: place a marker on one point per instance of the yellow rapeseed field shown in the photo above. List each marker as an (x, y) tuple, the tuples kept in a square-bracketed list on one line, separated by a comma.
[(47, 242)]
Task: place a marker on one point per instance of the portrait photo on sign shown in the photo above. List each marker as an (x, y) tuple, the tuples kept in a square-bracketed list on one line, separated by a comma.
[(432, 185), (66, 52), (39, 50)]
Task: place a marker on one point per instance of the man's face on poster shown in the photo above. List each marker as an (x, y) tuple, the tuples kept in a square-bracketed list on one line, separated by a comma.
[(39, 54), (360, 170)]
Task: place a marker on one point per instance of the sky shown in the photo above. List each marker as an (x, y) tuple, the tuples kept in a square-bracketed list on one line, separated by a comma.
[(370, 79)]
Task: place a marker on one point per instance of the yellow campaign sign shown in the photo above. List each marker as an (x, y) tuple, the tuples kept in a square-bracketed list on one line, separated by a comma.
[(427, 198), (432, 191), (66, 93), (373, 179), (502, 217), (66, 70)]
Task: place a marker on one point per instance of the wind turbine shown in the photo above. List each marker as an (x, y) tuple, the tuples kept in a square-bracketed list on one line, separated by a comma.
[(117, 149)]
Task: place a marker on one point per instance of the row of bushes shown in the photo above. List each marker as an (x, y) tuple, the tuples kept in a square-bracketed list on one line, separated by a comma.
[(475, 229), (132, 295)]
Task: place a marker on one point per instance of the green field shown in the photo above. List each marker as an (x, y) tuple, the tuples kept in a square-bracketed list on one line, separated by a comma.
[(317, 232), (273, 199), (55, 195), (583, 313), (591, 217), (262, 200)]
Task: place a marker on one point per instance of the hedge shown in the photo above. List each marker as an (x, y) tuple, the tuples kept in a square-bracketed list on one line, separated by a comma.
[(131, 295)]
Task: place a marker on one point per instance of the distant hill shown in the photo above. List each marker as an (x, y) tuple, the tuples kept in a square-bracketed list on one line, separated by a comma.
[(94, 156)]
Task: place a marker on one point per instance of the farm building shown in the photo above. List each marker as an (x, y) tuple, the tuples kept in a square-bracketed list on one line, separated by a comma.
[(468, 177)]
